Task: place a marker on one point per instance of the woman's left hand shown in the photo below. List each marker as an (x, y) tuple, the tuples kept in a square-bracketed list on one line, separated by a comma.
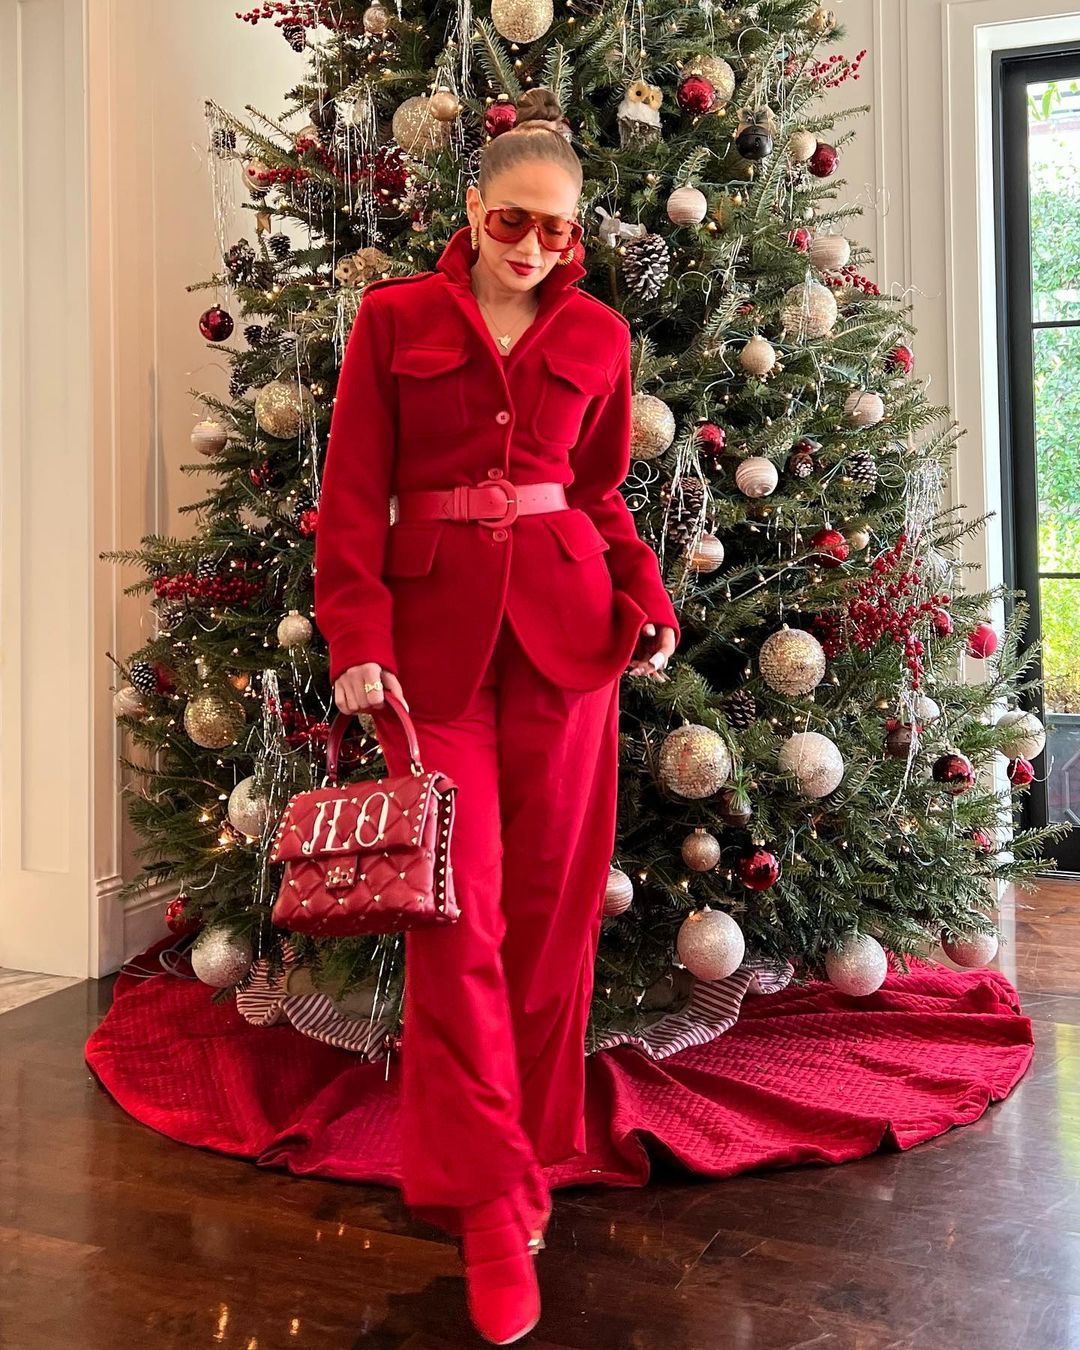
[(652, 652)]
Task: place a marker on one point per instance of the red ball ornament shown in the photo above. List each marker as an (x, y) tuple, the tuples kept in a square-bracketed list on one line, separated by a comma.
[(982, 641), (696, 95), (711, 438), (956, 772), (216, 324), (942, 621), (823, 161), (831, 547), (982, 841), (759, 869), (308, 522), (902, 358), (1021, 772), (499, 117), (175, 919), (799, 238), (164, 678)]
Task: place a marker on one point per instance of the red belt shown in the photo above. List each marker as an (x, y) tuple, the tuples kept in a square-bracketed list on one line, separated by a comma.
[(498, 502)]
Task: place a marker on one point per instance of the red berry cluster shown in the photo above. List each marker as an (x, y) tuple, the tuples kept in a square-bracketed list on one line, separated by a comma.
[(876, 610), (310, 14), (222, 590), (847, 276), (837, 69)]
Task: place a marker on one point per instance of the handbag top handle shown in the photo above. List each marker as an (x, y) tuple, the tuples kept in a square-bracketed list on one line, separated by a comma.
[(341, 722)]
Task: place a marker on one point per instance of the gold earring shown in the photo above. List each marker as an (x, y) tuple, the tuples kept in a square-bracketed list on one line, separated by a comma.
[(475, 237), (564, 258)]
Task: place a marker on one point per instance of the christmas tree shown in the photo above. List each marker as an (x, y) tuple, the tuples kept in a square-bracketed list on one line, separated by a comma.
[(813, 786)]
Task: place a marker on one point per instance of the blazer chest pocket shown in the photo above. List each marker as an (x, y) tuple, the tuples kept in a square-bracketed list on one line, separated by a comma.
[(568, 386), (410, 548), (576, 532), (431, 390)]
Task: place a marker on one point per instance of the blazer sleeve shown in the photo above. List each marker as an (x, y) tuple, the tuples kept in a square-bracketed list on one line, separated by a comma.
[(600, 462), (353, 605)]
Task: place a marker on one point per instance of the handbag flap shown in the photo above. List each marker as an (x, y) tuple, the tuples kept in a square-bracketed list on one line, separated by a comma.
[(368, 816)]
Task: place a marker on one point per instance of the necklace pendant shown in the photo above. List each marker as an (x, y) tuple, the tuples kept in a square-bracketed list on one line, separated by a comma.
[(504, 342)]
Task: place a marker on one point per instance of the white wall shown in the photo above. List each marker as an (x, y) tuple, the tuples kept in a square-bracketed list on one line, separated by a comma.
[(108, 217)]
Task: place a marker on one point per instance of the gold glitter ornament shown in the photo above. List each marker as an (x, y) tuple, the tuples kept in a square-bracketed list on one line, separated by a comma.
[(978, 949), (808, 310), (1026, 736), (858, 538), (652, 426), (209, 437), (830, 252), (522, 20), (619, 892), (694, 761), (802, 145), (710, 944), (281, 407), (719, 74), (708, 556), (815, 761), (213, 721), (860, 967), (758, 356), (701, 850), (247, 809), (128, 702), (295, 630), (220, 957), (792, 662), (416, 128), (445, 105), (376, 19)]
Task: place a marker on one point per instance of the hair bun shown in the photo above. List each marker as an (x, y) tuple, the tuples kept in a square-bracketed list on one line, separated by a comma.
[(540, 107)]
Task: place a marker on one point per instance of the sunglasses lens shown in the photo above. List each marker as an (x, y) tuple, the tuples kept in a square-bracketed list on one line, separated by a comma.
[(556, 233)]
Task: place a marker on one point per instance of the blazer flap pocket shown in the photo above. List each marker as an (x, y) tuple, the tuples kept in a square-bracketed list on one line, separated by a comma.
[(585, 375), (412, 359), (410, 547), (576, 532)]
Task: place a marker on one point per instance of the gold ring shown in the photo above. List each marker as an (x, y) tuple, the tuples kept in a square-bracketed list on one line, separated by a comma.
[(376, 685)]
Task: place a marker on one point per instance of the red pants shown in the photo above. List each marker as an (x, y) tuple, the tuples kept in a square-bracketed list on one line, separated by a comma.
[(496, 1004)]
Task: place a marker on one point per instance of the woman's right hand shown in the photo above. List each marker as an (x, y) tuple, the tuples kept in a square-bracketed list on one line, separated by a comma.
[(350, 694)]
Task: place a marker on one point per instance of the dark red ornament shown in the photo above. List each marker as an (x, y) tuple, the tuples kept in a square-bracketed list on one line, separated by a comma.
[(799, 238), (499, 117), (165, 679), (711, 438), (729, 811), (831, 547), (955, 771), (264, 477), (982, 641), (759, 869), (982, 841), (899, 739), (696, 95), (823, 161), (175, 919), (308, 522), (942, 621), (902, 358), (216, 324), (1021, 772)]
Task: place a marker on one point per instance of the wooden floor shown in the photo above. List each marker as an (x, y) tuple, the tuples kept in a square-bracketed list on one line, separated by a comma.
[(113, 1236)]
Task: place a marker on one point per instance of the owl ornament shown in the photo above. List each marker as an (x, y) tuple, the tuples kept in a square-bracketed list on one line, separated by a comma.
[(639, 114), (755, 133)]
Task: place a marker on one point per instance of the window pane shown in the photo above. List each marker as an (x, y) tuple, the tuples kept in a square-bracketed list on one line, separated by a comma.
[(1054, 166), (1057, 437), (1060, 603)]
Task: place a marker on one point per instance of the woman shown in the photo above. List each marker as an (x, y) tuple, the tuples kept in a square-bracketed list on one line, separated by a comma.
[(486, 406)]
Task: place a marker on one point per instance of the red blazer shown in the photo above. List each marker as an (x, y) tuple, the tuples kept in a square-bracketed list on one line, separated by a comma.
[(425, 400)]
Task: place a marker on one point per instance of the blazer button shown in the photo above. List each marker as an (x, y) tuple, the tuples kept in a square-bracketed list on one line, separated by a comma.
[(502, 417), (495, 473), (498, 534)]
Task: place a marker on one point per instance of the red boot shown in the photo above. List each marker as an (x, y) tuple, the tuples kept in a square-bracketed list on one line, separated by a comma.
[(500, 1271)]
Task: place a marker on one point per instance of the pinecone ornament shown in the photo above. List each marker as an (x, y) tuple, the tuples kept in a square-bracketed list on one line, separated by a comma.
[(862, 469), (740, 710), (143, 678), (240, 262), (223, 141), (239, 383), (304, 502), (206, 569), (684, 513), (254, 334), (280, 246), (170, 614), (646, 262), (295, 35)]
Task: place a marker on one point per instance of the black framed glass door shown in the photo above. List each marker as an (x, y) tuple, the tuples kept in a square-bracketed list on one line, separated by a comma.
[(1037, 200)]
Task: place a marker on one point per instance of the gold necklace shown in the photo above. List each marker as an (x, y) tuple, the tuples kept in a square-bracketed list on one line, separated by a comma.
[(503, 339)]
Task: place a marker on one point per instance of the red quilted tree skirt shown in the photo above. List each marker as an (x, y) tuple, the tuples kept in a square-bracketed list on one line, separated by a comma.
[(805, 1075)]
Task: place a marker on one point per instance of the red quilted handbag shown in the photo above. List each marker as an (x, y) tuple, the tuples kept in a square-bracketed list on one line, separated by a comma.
[(371, 856)]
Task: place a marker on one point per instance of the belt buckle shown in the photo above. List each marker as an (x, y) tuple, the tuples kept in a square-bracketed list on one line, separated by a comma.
[(510, 510)]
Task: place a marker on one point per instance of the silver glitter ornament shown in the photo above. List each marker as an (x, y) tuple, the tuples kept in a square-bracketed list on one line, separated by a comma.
[(860, 967), (694, 761), (978, 949), (815, 761), (220, 957), (710, 944), (792, 661), (247, 809)]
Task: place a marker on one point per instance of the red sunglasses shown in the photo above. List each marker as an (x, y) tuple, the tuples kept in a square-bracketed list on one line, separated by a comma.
[(509, 224)]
